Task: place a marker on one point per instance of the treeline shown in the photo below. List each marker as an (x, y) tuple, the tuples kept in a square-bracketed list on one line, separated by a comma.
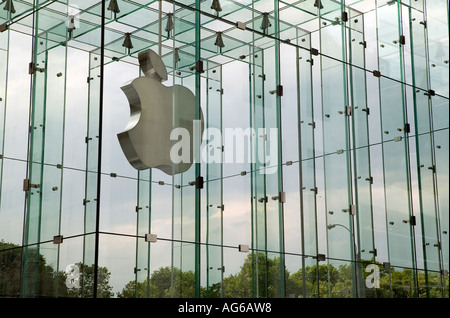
[(259, 276)]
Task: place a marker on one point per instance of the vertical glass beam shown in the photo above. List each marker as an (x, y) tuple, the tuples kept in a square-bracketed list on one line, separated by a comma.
[(277, 175), (422, 138), (91, 182), (437, 34), (438, 58), (214, 182), (143, 212), (258, 193), (395, 156), (197, 166), (307, 169), (4, 56), (186, 208), (423, 65), (362, 176), (436, 17), (291, 227), (30, 278), (267, 220), (336, 145)]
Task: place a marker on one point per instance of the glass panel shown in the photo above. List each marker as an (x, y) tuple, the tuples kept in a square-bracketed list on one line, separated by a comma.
[(437, 31), (325, 152), (116, 264)]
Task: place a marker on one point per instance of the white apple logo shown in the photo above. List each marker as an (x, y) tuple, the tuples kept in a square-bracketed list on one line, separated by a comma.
[(155, 111)]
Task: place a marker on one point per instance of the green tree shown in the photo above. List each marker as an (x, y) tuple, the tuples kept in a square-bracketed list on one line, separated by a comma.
[(259, 276), (38, 278), (86, 275), (10, 264), (164, 282)]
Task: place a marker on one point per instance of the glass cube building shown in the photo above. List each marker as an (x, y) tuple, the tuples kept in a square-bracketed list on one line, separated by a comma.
[(323, 166)]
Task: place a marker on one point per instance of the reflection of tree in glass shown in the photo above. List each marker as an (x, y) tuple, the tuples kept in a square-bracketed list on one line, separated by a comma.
[(86, 282), (314, 281), (258, 276), (160, 285), (41, 280)]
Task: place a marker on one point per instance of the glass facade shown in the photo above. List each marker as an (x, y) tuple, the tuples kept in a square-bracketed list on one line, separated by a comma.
[(323, 170)]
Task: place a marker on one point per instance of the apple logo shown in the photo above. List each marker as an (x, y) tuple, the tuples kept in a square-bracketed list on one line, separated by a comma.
[(155, 112)]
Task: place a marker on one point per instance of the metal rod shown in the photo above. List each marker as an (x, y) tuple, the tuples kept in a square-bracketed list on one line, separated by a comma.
[(99, 165), (160, 28)]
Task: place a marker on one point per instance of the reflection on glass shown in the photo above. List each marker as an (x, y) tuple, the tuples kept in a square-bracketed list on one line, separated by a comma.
[(335, 173)]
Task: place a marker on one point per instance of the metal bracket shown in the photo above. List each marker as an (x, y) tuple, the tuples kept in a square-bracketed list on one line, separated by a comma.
[(199, 182), (402, 40), (3, 27), (407, 128), (240, 25), (430, 93), (353, 209), (31, 68), (344, 16), (199, 66), (348, 110), (282, 197), (280, 90), (376, 73), (263, 199), (314, 51), (58, 239), (321, 257), (152, 238), (27, 185), (243, 248)]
